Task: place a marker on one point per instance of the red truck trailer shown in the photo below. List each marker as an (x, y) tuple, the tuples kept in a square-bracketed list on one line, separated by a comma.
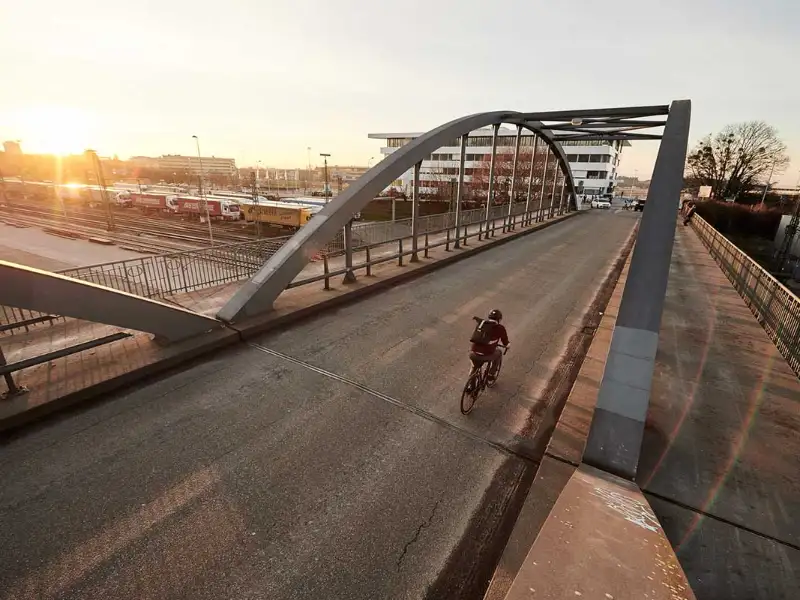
[(155, 202), (217, 207)]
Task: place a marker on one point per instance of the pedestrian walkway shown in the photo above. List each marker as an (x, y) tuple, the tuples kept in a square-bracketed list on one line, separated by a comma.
[(75, 377), (721, 452)]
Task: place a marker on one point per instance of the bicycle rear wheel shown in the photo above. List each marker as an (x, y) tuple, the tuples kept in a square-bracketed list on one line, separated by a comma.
[(472, 390)]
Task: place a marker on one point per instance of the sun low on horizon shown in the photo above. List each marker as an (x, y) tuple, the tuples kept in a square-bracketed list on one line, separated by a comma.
[(56, 130)]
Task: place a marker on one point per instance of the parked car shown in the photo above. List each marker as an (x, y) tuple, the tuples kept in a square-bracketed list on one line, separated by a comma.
[(638, 205), (601, 203)]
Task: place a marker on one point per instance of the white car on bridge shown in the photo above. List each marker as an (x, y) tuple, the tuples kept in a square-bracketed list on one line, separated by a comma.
[(601, 203)]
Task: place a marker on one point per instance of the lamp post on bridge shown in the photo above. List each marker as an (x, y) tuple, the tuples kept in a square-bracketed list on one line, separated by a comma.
[(327, 189)]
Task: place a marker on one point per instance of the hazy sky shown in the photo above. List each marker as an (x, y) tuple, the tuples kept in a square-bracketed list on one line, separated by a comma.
[(260, 79)]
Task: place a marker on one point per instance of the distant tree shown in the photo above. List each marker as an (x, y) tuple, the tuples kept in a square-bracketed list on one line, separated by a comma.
[(737, 159)]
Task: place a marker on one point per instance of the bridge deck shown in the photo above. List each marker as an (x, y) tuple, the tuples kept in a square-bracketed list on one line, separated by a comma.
[(339, 468)]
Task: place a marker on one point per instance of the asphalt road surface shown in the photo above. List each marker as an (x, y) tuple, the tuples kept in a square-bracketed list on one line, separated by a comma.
[(329, 460)]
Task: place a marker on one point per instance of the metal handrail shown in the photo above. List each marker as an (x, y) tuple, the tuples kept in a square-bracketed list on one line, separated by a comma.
[(499, 223), (775, 306)]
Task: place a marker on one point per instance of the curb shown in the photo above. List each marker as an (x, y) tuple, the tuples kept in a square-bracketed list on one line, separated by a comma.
[(235, 334)]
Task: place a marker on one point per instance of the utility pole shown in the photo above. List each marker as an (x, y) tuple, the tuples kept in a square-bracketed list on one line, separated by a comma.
[(308, 167), (327, 188), (101, 181)]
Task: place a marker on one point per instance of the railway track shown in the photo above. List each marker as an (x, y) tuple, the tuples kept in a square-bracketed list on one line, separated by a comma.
[(130, 229)]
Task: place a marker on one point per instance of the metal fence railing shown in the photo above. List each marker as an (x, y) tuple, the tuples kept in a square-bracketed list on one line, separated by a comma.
[(774, 305), (335, 264), (164, 275)]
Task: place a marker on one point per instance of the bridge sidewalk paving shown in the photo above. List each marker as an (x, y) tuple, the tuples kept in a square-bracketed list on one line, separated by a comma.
[(73, 379), (721, 450)]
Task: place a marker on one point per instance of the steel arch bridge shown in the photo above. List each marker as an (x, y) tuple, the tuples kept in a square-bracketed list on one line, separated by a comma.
[(259, 293)]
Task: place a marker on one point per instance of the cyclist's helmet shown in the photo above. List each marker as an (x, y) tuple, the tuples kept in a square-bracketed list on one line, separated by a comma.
[(496, 315)]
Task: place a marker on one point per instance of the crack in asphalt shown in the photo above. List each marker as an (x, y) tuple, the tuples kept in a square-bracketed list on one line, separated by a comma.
[(424, 525)]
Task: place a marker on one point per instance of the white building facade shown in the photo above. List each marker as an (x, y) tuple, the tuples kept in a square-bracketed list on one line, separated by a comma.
[(594, 163)]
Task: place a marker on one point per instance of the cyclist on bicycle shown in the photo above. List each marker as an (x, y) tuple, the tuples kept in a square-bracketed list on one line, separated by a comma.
[(488, 334)]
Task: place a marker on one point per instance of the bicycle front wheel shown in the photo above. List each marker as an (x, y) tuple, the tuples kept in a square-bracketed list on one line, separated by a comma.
[(471, 392)]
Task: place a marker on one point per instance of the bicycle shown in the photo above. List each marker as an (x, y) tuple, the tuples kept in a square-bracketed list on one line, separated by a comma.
[(479, 379)]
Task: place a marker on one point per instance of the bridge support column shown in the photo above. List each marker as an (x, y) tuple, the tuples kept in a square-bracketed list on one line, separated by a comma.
[(527, 219), (615, 436), (490, 194), (415, 214), (460, 192), (540, 214), (552, 209), (509, 222), (561, 198)]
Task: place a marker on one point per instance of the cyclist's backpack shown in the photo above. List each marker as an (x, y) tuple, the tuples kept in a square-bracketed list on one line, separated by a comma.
[(483, 333)]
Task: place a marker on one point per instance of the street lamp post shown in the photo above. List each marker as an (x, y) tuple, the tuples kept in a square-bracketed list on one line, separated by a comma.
[(202, 191), (327, 191)]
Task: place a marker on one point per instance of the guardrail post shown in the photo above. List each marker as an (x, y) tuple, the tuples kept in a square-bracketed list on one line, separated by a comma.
[(400, 252), (369, 259), (326, 270), (426, 244), (415, 213), (615, 435), (540, 217), (490, 193), (349, 276), (460, 192), (13, 388)]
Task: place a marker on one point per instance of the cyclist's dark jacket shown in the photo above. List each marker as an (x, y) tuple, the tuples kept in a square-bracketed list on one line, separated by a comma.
[(499, 334)]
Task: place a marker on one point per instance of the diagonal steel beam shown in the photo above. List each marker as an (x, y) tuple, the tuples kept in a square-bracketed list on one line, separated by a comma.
[(51, 293), (615, 435)]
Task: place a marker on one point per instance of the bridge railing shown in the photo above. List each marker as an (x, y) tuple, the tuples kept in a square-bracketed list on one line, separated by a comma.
[(774, 305), (164, 275), (366, 256)]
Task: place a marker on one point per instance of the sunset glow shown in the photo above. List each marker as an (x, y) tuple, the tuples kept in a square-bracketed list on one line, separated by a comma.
[(55, 130)]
